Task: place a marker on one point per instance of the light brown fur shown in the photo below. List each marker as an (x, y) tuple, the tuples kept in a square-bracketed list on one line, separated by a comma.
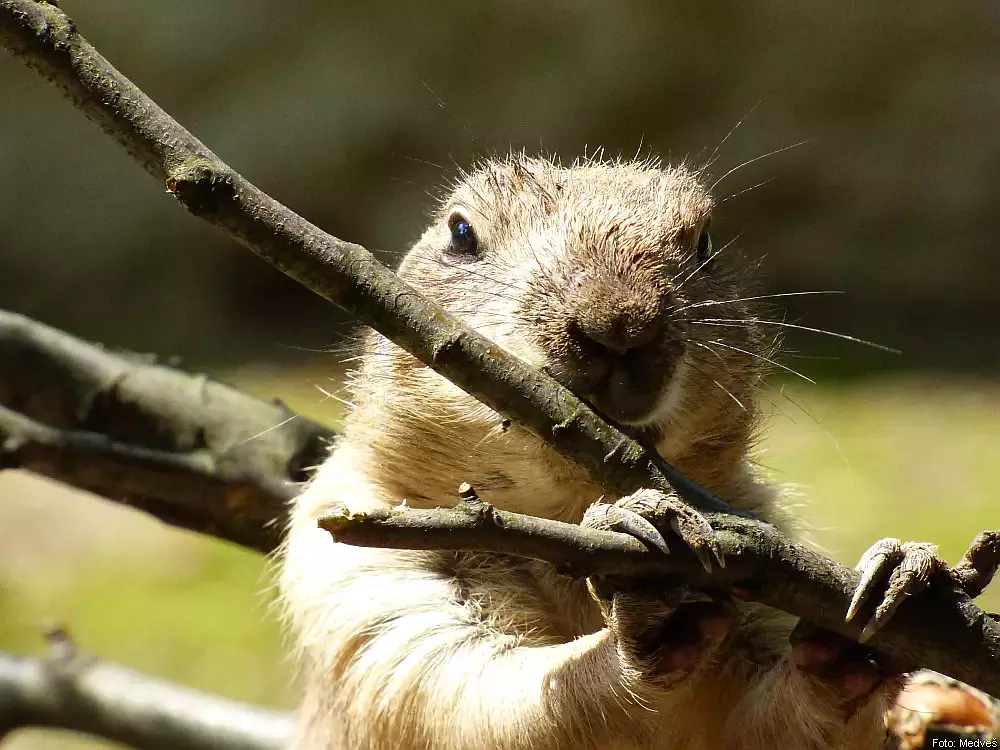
[(417, 650)]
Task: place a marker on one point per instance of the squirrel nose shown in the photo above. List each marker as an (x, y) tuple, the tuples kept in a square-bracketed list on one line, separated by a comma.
[(616, 324)]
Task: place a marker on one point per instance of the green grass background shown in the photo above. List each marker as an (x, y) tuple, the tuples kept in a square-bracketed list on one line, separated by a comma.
[(917, 458)]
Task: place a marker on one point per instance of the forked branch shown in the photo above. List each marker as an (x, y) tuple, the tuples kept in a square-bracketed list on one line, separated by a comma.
[(193, 452)]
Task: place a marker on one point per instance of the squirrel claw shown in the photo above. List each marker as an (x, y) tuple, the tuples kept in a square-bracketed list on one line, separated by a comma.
[(630, 522), (628, 515), (908, 566)]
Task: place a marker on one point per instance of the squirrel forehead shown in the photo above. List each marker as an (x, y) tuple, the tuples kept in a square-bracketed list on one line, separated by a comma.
[(520, 193)]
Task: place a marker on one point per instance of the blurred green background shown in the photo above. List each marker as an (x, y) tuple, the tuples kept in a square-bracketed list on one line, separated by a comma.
[(356, 115)]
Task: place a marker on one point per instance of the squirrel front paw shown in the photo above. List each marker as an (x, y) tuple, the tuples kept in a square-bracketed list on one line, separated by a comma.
[(899, 570), (629, 516), (662, 633), (848, 673), (903, 569)]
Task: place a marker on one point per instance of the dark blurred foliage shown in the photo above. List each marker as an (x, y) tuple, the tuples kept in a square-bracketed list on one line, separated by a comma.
[(353, 113)]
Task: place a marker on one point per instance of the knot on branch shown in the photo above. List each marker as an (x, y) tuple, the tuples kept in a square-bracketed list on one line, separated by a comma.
[(61, 649), (59, 30), (472, 505), (201, 188), (444, 349)]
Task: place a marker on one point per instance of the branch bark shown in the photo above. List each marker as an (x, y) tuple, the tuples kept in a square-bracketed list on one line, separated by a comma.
[(67, 690), (44, 38), (193, 452)]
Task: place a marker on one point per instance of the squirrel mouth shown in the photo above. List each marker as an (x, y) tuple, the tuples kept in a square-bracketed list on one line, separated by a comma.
[(630, 396), (628, 388)]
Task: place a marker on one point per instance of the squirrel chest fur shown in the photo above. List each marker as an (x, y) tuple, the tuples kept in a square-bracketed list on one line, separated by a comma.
[(603, 275)]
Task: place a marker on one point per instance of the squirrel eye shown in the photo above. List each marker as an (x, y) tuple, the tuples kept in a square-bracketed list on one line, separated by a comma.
[(704, 246), (463, 236)]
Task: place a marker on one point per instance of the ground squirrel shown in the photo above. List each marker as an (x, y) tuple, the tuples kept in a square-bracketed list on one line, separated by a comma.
[(601, 274)]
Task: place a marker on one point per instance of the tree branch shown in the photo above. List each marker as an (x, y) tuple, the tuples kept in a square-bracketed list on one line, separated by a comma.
[(191, 451), (67, 690), (941, 629), (44, 38)]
